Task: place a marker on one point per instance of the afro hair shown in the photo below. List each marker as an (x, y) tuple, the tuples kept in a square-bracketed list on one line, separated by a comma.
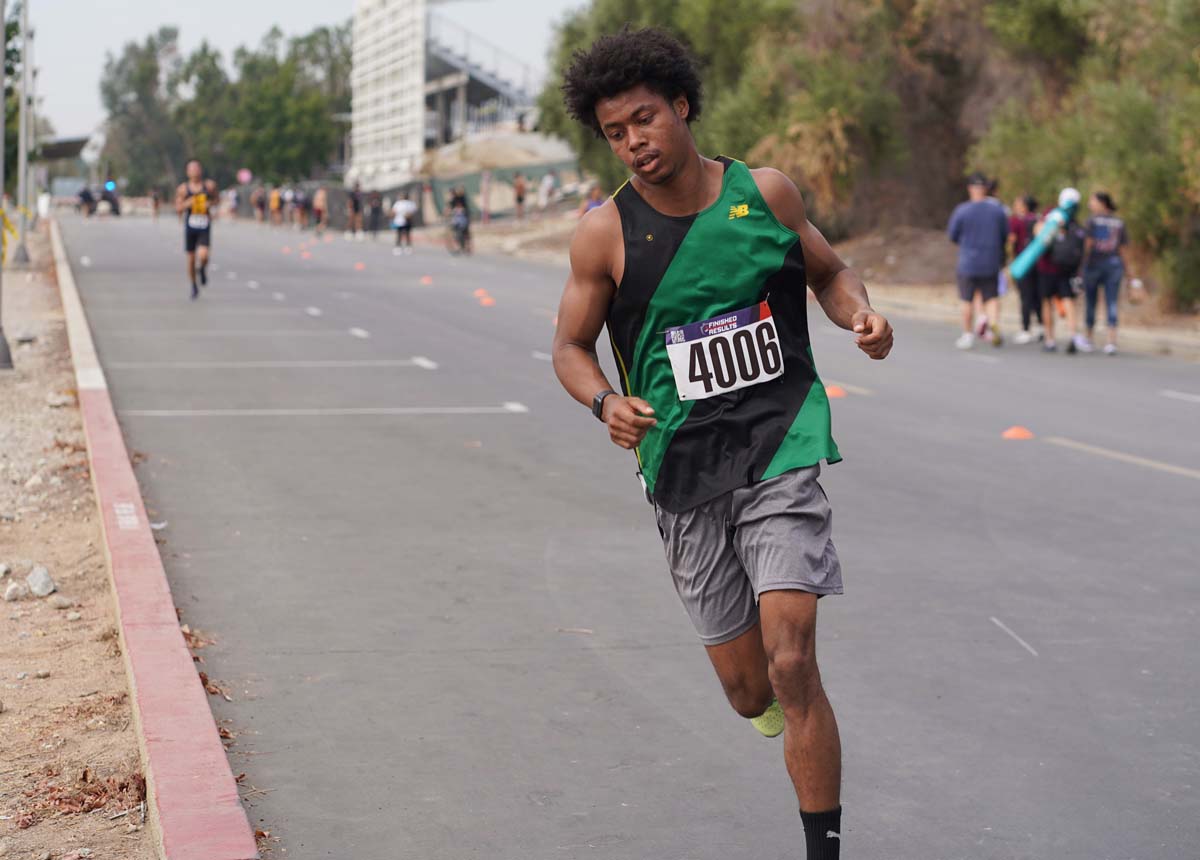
[(621, 61)]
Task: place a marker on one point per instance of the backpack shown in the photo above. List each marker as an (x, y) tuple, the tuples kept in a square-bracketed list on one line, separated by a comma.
[(1067, 251)]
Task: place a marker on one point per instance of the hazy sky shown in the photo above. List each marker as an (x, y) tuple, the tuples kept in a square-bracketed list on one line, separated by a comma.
[(73, 36)]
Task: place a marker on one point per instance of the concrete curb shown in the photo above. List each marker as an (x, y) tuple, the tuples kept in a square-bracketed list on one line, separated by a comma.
[(1133, 339), (193, 800)]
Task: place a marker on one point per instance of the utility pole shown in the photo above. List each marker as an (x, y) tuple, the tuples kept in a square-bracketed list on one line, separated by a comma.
[(21, 253), (5, 356)]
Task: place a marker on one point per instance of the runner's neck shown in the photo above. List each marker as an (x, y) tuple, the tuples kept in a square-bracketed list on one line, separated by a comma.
[(696, 187)]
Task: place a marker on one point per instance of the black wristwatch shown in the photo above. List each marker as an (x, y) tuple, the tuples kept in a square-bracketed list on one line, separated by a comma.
[(598, 403)]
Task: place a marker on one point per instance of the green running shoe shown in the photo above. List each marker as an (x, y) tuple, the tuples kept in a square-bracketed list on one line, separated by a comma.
[(770, 722)]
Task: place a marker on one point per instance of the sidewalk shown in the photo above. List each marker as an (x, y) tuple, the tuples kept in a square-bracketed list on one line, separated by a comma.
[(941, 304)]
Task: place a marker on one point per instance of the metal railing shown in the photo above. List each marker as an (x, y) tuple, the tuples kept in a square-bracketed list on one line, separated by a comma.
[(476, 51)]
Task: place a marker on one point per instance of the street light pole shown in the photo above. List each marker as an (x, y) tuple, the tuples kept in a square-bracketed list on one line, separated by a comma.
[(6, 362), (21, 253)]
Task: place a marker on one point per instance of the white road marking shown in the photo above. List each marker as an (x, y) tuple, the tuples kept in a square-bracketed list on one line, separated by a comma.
[(278, 296), (423, 363), (360, 332), (184, 332), (85, 261), (190, 309), (1180, 395), (542, 356), (985, 359), (231, 275), (1018, 639), (852, 389), (126, 513), (506, 409), (1125, 458), (312, 311), (252, 284)]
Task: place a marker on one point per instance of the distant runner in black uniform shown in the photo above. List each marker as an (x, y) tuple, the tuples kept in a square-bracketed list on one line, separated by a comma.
[(700, 269), (195, 201)]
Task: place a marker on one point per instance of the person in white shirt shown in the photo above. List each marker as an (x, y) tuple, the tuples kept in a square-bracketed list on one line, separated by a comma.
[(403, 211)]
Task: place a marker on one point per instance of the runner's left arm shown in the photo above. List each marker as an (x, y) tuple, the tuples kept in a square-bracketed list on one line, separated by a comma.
[(841, 292)]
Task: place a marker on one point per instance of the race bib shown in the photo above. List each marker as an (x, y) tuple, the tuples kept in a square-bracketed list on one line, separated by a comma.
[(725, 353), (197, 222)]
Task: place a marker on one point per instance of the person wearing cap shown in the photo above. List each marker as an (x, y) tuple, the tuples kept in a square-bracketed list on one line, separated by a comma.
[(979, 226)]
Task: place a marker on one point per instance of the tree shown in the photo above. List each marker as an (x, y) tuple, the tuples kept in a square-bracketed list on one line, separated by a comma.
[(200, 95), (273, 113), (325, 56), (280, 119), (143, 144)]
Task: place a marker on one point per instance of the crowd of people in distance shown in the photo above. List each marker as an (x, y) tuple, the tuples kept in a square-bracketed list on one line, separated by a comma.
[(1087, 260)]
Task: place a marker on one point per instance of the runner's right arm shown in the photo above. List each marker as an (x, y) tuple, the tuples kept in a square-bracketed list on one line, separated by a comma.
[(181, 198), (581, 316)]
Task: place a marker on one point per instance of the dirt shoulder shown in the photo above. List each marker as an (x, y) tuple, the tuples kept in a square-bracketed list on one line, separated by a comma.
[(71, 783)]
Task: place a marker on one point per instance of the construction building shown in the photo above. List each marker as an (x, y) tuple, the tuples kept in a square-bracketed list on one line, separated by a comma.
[(419, 81)]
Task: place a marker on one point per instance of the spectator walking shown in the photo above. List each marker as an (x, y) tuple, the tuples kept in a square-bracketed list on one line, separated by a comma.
[(374, 214), (980, 228), (258, 201), (547, 190), (1057, 268), (403, 211), (320, 205), (1020, 233), (1104, 265), (520, 188), (594, 199), (354, 212)]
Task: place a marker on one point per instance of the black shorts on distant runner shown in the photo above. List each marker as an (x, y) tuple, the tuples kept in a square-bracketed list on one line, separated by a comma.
[(1052, 284), (192, 238), (988, 287)]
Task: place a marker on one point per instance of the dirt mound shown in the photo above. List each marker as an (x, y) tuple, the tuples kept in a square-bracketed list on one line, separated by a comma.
[(901, 255)]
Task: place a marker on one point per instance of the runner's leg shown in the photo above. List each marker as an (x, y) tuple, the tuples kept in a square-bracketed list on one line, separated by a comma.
[(812, 748), (202, 253), (741, 666)]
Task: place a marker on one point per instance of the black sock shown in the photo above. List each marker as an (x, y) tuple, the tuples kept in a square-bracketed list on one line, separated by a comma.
[(823, 833)]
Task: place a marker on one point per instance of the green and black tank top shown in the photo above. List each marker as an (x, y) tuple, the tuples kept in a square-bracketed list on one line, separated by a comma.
[(682, 270)]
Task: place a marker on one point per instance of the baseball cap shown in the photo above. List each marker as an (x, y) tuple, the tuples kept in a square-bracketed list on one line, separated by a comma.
[(977, 178)]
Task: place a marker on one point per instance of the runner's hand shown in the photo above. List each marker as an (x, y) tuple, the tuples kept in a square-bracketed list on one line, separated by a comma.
[(628, 419), (874, 334)]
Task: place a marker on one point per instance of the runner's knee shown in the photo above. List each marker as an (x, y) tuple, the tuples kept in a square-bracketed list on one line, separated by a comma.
[(794, 675), (750, 697)]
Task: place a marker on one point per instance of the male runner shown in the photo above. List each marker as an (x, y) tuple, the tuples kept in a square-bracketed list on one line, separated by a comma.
[(698, 268), (195, 201)]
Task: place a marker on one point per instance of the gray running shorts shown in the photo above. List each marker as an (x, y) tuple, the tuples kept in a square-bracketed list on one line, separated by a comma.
[(770, 536)]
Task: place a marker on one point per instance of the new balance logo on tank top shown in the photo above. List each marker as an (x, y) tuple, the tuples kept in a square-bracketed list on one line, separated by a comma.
[(710, 326)]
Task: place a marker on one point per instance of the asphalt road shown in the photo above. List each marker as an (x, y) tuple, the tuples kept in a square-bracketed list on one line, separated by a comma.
[(444, 616)]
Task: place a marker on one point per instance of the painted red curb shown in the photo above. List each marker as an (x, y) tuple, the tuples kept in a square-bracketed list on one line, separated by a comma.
[(193, 797)]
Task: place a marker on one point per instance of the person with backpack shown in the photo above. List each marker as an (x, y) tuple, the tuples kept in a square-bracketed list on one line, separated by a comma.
[(1058, 275), (1103, 265)]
